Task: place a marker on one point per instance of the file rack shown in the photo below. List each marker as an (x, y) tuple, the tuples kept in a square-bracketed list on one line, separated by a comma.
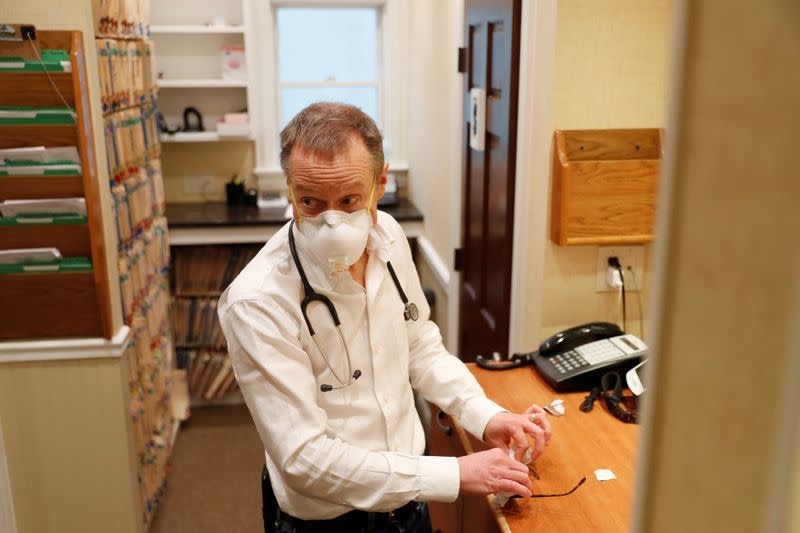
[(54, 304)]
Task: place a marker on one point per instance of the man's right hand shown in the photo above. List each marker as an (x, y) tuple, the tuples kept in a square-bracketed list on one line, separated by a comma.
[(493, 471)]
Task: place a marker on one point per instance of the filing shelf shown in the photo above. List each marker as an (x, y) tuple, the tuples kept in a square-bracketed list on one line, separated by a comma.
[(72, 240), (49, 305), (40, 187)]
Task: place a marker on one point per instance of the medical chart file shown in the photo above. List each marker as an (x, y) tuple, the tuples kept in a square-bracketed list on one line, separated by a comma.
[(19, 115)]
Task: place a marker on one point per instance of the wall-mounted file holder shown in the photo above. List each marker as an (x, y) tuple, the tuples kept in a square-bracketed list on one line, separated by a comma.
[(604, 186), (59, 301)]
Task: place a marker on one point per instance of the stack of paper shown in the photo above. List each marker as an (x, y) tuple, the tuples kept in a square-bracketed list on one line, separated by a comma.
[(49, 211), (41, 161), (17, 115), (52, 61)]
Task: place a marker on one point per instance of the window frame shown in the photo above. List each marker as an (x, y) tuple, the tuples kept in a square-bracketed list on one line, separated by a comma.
[(393, 104), (332, 4)]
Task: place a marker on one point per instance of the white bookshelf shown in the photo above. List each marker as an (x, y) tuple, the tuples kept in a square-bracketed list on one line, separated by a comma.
[(195, 29), (202, 84), (190, 36), (201, 137)]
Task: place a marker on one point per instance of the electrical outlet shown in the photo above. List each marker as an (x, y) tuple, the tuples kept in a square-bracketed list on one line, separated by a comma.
[(194, 184), (629, 256)]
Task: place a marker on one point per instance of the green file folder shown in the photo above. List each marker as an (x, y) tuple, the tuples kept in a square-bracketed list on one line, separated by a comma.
[(67, 264), (19, 115), (52, 61)]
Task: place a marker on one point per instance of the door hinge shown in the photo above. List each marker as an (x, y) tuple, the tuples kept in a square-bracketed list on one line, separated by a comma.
[(458, 259), (462, 60)]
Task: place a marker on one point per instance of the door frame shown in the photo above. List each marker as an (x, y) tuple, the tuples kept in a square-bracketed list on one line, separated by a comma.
[(537, 54)]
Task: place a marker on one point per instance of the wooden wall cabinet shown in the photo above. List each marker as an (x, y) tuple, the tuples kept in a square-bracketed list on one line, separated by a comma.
[(604, 186)]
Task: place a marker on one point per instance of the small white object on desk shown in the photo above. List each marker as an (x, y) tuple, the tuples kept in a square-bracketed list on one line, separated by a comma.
[(555, 408), (604, 474)]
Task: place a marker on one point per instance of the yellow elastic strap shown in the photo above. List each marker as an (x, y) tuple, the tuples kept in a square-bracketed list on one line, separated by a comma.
[(294, 203), (371, 192)]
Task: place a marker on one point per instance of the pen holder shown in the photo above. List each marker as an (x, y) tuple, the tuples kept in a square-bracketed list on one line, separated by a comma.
[(235, 193)]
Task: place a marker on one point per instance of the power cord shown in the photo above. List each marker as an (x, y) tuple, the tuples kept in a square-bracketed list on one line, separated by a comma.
[(47, 73), (613, 261)]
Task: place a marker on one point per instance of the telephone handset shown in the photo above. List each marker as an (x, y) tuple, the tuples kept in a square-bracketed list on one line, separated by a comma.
[(575, 359)]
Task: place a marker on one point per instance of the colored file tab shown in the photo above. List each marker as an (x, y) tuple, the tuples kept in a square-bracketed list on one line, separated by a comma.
[(23, 220), (39, 168), (52, 61), (20, 115), (67, 264)]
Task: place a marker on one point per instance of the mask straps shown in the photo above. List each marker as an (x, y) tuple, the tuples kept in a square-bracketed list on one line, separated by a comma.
[(371, 193), (294, 203)]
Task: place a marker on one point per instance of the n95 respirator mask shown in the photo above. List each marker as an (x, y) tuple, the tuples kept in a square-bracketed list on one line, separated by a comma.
[(337, 239)]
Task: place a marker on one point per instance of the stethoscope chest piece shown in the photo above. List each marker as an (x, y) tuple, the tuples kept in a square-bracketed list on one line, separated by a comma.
[(411, 312)]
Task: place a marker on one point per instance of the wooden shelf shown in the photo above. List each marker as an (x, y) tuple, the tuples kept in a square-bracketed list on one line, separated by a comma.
[(604, 186), (38, 135), (49, 305), (40, 187), (202, 84), (72, 240), (194, 29), (34, 89), (201, 137)]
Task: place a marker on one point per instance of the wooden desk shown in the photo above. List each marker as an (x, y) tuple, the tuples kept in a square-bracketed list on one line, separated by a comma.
[(581, 443)]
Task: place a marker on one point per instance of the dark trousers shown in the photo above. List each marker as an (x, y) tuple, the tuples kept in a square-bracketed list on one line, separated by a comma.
[(417, 520)]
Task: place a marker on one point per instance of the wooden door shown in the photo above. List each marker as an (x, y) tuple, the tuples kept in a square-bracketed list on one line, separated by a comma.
[(492, 63)]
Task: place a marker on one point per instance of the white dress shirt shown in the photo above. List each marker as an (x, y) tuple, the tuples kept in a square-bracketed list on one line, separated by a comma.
[(358, 447)]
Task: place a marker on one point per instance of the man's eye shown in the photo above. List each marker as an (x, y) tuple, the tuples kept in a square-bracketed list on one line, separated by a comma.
[(350, 200), (307, 202)]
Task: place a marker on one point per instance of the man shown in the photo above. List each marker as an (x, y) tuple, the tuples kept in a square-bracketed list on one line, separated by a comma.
[(334, 405)]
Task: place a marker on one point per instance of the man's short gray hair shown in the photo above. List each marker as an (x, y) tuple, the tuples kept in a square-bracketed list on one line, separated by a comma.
[(325, 129)]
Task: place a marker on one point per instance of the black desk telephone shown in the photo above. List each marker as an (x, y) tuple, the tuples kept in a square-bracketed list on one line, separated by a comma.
[(576, 358)]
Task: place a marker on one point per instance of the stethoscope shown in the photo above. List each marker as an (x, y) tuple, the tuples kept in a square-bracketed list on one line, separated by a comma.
[(410, 312)]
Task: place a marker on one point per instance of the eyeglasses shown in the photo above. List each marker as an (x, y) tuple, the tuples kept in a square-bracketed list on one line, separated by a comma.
[(533, 473)]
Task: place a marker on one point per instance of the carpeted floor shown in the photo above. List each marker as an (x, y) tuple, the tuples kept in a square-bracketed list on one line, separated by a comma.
[(214, 484)]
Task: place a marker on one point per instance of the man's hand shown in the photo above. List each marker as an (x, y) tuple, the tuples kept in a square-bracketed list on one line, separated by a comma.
[(493, 471), (505, 428)]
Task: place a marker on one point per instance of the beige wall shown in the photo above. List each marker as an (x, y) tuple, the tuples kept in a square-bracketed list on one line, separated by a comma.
[(432, 65), (68, 447), (198, 172), (77, 15), (611, 63)]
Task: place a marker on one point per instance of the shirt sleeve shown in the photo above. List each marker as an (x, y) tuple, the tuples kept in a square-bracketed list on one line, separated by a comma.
[(278, 384), (440, 376)]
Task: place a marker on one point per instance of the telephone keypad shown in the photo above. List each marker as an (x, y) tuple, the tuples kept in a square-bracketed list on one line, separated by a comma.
[(568, 361)]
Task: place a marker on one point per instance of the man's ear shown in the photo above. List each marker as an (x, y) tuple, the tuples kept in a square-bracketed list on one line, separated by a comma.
[(381, 189)]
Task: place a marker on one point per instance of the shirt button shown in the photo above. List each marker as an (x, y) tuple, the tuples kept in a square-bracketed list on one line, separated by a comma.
[(385, 398)]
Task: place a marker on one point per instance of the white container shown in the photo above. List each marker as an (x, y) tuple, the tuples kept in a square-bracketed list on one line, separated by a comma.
[(234, 66)]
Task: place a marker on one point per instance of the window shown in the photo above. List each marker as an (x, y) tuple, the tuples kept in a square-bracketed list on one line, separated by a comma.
[(328, 54)]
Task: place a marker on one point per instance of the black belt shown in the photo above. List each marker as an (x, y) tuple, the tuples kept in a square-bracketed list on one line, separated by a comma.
[(353, 520)]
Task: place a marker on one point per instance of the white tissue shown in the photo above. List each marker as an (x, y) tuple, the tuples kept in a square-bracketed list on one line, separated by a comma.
[(502, 497), (604, 474)]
